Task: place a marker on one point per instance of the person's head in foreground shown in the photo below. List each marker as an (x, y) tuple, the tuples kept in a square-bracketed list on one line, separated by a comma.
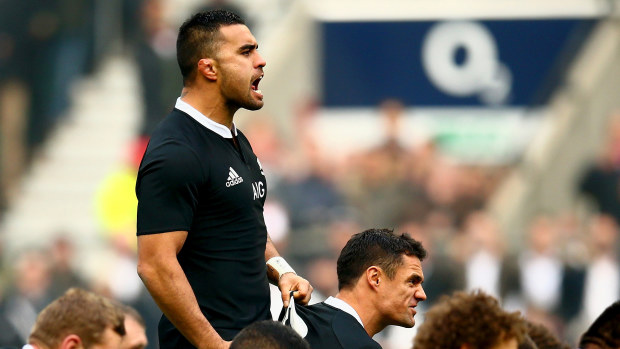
[(135, 328), (78, 319), (604, 333), (472, 320), (541, 337), (268, 334), (380, 275)]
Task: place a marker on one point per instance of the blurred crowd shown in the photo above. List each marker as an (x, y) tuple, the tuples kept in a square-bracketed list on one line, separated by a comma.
[(44, 47), (564, 272)]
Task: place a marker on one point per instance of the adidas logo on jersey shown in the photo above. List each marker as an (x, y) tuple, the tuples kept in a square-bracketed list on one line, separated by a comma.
[(233, 178)]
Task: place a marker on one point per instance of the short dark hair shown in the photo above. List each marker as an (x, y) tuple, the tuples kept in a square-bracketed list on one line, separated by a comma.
[(472, 318), (605, 330), (380, 247), (268, 334), (198, 38)]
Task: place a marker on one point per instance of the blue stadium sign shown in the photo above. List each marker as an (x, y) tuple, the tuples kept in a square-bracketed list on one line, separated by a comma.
[(506, 63)]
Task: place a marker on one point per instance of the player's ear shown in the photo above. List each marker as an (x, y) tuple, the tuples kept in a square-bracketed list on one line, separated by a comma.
[(72, 341), (207, 68), (373, 276)]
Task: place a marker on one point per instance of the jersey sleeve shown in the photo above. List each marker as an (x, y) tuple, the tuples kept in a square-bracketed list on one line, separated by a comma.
[(167, 189)]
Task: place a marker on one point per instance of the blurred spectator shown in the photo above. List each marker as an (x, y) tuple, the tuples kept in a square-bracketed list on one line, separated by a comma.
[(13, 96), (268, 146), (61, 31), (604, 333), (15, 44), (340, 231), (268, 334), (377, 184), (603, 269), (309, 193), (155, 54), (62, 272), (131, 12), (469, 320), (540, 267), (72, 44), (34, 92), (40, 36), (78, 319), (28, 294), (322, 275), (602, 180), (121, 279), (583, 298), (391, 111), (484, 264)]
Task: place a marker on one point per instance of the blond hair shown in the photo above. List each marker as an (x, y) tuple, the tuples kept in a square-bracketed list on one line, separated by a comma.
[(76, 312)]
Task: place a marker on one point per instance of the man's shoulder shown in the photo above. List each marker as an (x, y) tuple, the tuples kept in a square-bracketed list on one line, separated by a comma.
[(350, 333), (175, 125), (318, 310), (176, 137), (328, 321)]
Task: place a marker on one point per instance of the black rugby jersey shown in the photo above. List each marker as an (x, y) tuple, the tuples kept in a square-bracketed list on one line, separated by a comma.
[(193, 178), (330, 327)]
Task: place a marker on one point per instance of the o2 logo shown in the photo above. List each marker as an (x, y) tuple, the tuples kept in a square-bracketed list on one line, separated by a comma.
[(481, 73)]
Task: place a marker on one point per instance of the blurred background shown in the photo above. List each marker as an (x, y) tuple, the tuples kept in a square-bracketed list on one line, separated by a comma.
[(489, 130)]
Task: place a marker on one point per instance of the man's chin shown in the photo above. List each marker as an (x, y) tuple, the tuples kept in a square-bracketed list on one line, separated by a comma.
[(254, 106), (407, 324)]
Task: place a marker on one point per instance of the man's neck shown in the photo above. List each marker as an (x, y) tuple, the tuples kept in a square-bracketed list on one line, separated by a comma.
[(212, 107), (32, 345), (366, 311)]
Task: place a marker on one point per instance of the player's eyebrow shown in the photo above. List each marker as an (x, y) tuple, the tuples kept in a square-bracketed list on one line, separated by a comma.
[(417, 279), (248, 47)]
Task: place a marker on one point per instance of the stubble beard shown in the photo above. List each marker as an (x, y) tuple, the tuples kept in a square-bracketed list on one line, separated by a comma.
[(237, 99)]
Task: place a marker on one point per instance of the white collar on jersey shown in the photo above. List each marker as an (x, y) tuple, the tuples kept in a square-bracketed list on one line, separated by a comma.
[(344, 306), (203, 120)]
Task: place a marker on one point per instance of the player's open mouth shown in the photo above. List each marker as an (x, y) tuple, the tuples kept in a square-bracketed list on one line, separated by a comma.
[(255, 85)]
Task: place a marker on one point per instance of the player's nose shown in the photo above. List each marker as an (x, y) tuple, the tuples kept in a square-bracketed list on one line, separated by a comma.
[(420, 295), (260, 61)]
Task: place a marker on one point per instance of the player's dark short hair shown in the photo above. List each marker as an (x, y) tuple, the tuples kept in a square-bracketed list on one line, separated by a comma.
[(199, 38), (378, 247), (605, 330), (268, 334)]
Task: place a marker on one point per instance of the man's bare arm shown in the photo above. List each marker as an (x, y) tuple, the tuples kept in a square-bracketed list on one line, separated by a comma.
[(287, 282), (163, 276)]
